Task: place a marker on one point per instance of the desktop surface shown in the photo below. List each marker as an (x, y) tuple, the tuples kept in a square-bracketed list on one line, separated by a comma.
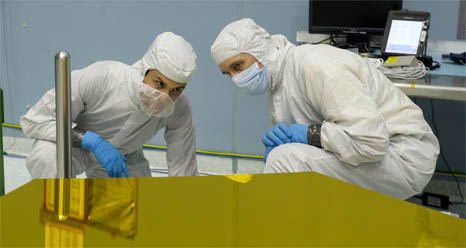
[(447, 67)]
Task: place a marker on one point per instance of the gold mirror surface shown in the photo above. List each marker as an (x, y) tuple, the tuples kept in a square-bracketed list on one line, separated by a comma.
[(268, 210)]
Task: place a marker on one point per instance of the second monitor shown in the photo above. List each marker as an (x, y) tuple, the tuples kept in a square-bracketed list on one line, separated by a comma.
[(355, 20)]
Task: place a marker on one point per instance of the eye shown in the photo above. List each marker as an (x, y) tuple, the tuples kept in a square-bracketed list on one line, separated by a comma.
[(237, 66), (177, 91), (159, 84)]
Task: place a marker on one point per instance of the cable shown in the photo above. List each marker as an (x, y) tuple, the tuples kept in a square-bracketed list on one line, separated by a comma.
[(376, 62), (334, 43), (319, 42), (434, 66), (403, 72), (332, 40), (368, 50), (446, 173), (443, 156)]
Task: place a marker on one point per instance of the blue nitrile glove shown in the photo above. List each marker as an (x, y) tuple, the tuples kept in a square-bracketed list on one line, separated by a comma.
[(107, 155), (299, 133), (277, 135), (268, 149)]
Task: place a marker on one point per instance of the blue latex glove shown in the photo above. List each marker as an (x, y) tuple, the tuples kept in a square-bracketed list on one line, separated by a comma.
[(299, 133), (107, 155), (268, 149), (277, 135)]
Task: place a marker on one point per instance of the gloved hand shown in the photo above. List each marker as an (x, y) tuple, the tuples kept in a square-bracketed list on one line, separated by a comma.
[(277, 135), (299, 133), (107, 155), (268, 149)]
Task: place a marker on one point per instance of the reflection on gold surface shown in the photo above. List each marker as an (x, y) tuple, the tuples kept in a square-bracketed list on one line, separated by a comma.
[(112, 205), (243, 178), (77, 196), (62, 235), (107, 204)]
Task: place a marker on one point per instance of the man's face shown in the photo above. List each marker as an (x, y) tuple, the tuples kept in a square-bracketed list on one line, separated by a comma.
[(237, 64), (158, 81)]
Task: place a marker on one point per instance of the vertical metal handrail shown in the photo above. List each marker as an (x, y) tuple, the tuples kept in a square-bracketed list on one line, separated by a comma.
[(63, 116), (63, 108)]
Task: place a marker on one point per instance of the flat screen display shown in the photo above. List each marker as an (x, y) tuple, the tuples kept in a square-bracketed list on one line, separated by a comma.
[(404, 36), (358, 17)]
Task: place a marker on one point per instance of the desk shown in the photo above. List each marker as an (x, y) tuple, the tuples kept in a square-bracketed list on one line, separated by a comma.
[(447, 83), (267, 210), (435, 86)]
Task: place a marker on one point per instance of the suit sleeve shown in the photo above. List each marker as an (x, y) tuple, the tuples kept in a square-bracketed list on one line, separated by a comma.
[(40, 120), (353, 128), (180, 138)]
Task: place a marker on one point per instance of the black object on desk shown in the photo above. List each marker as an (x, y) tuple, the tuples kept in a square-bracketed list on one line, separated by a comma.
[(458, 58), (428, 62)]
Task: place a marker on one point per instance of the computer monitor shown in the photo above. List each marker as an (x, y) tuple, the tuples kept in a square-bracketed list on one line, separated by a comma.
[(357, 20), (406, 33)]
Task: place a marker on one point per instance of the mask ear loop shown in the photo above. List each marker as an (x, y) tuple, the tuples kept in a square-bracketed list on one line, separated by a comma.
[(262, 61), (258, 61), (270, 79)]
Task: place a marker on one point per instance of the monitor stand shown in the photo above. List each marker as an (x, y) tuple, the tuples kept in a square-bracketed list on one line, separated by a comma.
[(360, 41)]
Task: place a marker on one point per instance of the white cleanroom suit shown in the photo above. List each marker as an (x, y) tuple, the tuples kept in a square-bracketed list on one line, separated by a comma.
[(372, 134), (104, 100)]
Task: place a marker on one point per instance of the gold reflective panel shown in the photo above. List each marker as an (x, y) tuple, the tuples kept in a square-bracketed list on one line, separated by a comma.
[(294, 209), (112, 205), (106, 204)]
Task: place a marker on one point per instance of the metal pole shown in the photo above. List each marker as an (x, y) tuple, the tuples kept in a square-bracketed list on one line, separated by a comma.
[(63, 108), (63, 116)]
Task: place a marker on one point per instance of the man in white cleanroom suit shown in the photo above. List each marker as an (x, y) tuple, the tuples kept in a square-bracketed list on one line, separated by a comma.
[(116, 109), (333, 112)]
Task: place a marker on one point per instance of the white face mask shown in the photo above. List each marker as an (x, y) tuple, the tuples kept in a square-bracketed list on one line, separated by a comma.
[(154, 102), (254, 80)]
